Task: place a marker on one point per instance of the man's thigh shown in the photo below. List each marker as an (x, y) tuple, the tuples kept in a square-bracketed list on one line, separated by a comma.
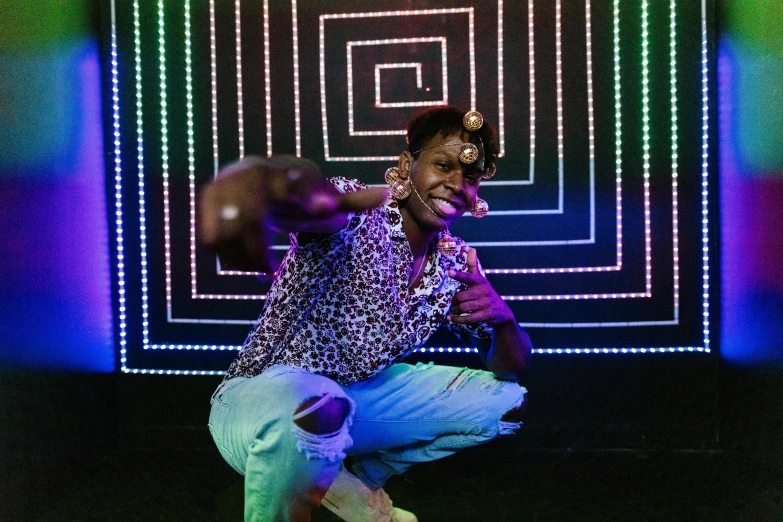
[(408, 404)]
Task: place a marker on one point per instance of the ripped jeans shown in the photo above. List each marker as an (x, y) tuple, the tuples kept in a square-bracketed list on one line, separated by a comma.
[(402, 416)]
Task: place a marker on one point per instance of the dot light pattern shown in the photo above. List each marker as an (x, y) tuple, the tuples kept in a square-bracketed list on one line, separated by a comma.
[(591, 129), (419, 83), (378, 67), (557, 297), (547, 297), (240, 101), (164, 138), (119, 229), (646, 152), (140, 167), (268, 116), (705, 140), (675, 159), (389, 41)]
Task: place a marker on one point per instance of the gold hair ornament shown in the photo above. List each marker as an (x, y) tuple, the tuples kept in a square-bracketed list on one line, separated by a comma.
[(472, 121)]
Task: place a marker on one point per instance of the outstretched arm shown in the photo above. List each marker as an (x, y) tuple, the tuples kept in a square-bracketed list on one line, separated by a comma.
[(283, 193), (507, 354)]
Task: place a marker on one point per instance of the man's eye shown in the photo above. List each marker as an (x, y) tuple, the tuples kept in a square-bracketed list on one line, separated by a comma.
[(473, 180), (442, 167)]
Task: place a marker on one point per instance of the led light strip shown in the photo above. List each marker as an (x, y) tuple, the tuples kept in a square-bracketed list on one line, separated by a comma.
[(599, 295), (213, 85), (618, 138), (591, 145), (646, 148), (501, 123), (675, 159), (647, 223), (196, 347), (559, 91), (576, 297), (618, 149), (191, 146), (443, 349), (267, 81), (322, 67), (590, 111), (191, 163), (504, 271), (297, 110), (531, 70), (675, 254), (215, 151), (119, 229), (172, 372), (140, 167), (704, 181), (563, 350), (419, 84), (240, 105), (165, 153), (561, 171), (553, 351), (588, 19), (392, 41)]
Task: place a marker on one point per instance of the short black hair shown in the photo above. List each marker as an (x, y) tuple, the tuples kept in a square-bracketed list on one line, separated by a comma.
[(447, 120)]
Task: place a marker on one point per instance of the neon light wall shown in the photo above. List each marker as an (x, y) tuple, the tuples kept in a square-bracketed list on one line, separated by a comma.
[(55, 301), (603, 212)]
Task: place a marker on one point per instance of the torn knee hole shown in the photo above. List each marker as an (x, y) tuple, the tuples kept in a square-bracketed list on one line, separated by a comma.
[(515, 414), (322, 415)]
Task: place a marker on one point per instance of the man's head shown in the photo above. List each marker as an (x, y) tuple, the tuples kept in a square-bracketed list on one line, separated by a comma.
[(448, 120)]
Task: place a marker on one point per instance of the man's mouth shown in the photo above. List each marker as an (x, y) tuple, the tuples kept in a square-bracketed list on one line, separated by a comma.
[(447, 208)]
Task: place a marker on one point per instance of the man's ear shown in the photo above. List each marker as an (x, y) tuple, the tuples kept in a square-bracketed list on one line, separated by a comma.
[(404, 164)]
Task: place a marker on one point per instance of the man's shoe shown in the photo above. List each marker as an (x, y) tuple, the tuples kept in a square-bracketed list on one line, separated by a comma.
[(352, 501)]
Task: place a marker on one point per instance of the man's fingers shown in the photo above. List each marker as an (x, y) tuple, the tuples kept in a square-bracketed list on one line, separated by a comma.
[(363, 199), (475, 317), (472, 261), (466, 277), (466, 307)]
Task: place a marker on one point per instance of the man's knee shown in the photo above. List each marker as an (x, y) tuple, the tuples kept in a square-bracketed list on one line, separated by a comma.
[(327, 415)]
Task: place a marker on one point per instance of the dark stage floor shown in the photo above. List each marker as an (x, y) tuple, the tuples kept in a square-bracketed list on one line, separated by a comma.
[(477, 485)]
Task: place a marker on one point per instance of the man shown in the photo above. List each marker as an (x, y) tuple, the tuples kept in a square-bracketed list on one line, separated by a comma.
[(317, 409)]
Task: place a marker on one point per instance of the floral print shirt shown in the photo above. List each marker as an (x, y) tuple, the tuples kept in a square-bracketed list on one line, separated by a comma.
[(341, 306)]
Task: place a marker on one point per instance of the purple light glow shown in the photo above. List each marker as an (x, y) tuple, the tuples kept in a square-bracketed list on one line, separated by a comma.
[(56, 311), (752, 249)]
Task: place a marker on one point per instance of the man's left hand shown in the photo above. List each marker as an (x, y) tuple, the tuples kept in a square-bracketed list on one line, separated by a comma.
[(479, 302)]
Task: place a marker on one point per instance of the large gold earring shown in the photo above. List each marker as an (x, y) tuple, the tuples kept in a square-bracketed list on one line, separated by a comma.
[(401, 188), (479, 208), (391, 175), (447, 245)]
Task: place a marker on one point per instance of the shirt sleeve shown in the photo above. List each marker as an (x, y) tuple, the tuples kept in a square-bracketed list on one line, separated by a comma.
[(352, 222)]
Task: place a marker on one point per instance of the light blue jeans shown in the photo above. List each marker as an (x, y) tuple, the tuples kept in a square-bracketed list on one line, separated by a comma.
[(404, 415)]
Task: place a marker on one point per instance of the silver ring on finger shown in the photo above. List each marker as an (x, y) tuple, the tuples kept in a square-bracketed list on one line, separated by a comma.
[(229, 212)]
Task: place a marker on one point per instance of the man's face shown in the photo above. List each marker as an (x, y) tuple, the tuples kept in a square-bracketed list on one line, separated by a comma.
[(447, 186)]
